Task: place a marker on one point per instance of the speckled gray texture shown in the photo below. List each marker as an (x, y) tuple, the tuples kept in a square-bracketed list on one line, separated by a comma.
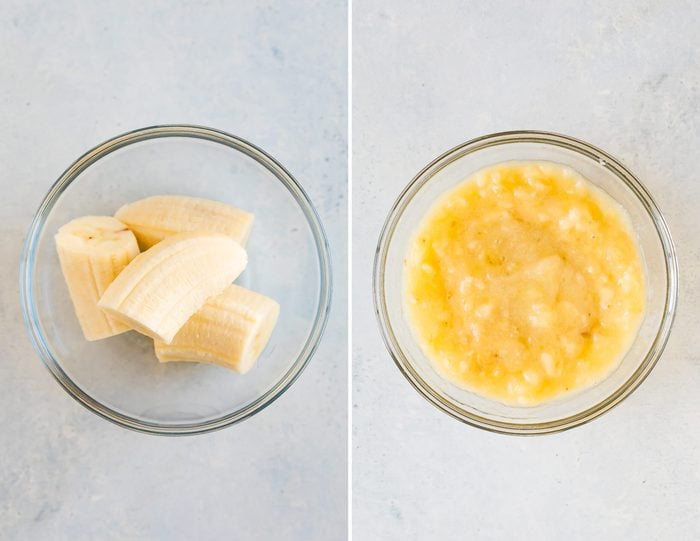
[(623, 75), (77, 73)]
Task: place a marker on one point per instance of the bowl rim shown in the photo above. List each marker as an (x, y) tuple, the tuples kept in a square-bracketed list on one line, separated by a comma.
[(98, 152), (504, 138)]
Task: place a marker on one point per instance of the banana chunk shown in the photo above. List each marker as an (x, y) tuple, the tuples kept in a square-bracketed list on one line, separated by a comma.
[(92, 251), (164, 286), (230, 330), (154, 218)]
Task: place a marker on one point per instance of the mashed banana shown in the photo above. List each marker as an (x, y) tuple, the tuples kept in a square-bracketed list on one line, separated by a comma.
[(524, 282)]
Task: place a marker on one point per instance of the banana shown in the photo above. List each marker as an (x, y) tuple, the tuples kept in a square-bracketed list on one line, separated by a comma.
[(230, 330), (92, 251), (162, 287), (154, 218)]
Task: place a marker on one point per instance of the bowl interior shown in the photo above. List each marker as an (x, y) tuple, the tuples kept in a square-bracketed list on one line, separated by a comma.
[(451, 170), (285, 263)]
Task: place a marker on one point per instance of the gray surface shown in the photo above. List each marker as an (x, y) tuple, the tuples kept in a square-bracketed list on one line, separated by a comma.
[(623, 75), (77, 73)]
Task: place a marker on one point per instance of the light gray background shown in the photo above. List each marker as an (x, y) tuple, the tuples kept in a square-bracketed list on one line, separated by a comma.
[(623, 75), (73, 74)]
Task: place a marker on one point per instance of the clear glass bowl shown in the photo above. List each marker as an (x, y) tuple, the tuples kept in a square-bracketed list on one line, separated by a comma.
[(119, 378), (608, 174)]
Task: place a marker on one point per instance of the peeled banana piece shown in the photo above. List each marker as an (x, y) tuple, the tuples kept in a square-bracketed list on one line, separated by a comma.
[(164, 286), (230, 330), (154, 218), (93, 251)]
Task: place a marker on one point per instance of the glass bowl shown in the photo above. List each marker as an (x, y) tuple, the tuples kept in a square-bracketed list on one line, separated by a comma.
[(601, 169), (119, 378)]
